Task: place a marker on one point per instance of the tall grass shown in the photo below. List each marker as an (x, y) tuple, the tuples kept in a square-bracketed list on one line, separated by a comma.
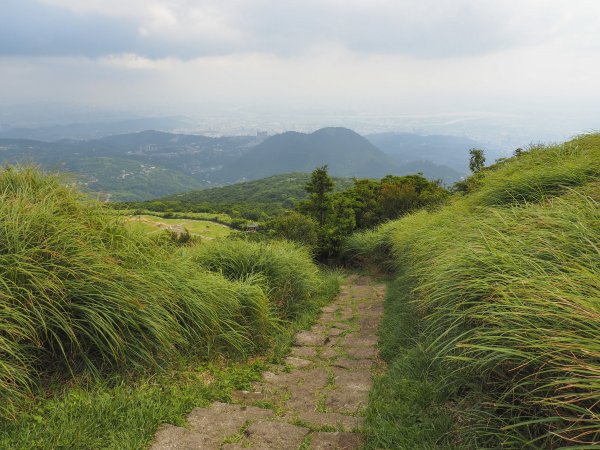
[(80, 292), (541, 172), (507, 283), (371, 247), (408, 402), (286, 270)]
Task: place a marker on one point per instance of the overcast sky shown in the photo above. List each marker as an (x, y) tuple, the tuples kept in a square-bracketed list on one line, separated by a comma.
[(521, 57)]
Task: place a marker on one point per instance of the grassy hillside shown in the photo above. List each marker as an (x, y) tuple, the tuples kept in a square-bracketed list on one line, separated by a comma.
[(504, 283), (202, 228), (92, 303)]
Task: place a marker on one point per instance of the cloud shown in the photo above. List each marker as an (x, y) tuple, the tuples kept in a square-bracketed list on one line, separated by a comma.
[(514, 57), (29, 28), (189, 29), (136, 62)]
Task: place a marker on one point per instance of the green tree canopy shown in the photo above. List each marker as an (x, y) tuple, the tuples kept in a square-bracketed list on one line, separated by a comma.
[(477, 159), (319, 187)]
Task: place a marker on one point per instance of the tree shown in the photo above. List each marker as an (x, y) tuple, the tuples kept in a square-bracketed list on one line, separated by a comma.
[(477, 160), (319, 187), (340, 224)]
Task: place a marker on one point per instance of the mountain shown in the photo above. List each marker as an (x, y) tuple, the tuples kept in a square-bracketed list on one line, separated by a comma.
[(150, 164), (285, 189), (345, 152), (93, 130), (199, 156), (119, 179), (433, 171), (134, 166), (450, 151)]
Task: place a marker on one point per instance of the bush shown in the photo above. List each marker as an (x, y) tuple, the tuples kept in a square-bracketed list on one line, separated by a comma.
[(296, 227), (285, 269)]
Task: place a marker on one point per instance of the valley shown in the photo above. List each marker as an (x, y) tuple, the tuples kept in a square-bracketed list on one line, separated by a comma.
[(150, 164)]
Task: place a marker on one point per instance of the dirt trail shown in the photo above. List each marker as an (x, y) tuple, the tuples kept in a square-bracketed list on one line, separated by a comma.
[(315, 401)]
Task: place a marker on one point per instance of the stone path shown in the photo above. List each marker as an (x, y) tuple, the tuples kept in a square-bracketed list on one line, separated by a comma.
[(315, 401)]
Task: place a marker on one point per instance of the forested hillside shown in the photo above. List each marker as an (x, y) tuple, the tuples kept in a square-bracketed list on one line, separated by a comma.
[(345, 152), (492, 323), (150, 164), (285, 190), (137, 166)]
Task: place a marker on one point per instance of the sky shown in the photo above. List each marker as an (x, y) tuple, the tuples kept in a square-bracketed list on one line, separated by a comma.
[(530, 61)]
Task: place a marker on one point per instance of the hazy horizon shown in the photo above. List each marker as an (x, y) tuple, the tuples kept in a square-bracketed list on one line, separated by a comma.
[(513, 70)]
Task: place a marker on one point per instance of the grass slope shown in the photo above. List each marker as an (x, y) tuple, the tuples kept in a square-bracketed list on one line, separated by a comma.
[(202, 228), (93, 311), (504, 284)]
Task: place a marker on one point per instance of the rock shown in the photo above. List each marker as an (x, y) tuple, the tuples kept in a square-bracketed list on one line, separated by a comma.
[(208, 427), (275, 435), (346, 400), (332, 419), (303, 352), (356, 380), (336, 441), (247, 396), (169, 437), (329, 308), (353, 364), (298, 363), (305, 338), (334, 332), (361, 352)]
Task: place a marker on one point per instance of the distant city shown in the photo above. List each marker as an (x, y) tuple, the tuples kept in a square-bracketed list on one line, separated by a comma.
[(502, 132)]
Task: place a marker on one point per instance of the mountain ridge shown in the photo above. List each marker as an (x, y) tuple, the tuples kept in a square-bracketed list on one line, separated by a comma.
[(186, 162), (345, 152)]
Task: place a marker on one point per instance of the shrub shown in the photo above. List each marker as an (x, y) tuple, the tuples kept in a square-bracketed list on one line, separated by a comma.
[(285, 269), (296, 227)]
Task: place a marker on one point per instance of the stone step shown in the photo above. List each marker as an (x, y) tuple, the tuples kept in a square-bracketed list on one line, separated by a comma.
[(323, 386), (208, 427)]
